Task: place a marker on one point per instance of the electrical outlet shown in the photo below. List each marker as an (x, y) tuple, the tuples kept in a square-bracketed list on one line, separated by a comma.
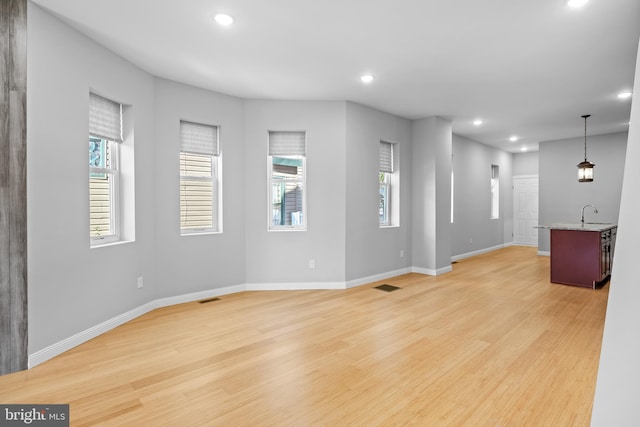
[(401, 253), (312, 263), (140, 282)]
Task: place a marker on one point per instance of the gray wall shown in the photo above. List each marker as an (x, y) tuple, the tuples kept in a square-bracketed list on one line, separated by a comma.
[(283, 256), (525, 163), (562, 197), (91, 286), (186, 264), (71, 286), (365, 128), (473, 229), (618, 384)]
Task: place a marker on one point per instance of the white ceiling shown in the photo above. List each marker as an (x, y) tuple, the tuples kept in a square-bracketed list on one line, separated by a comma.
[(525, 67)]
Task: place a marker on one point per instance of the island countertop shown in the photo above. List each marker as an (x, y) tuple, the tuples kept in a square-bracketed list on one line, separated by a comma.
[(587, 226)]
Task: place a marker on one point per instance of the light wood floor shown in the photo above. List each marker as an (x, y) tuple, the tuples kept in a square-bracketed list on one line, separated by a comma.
[(491, 344)]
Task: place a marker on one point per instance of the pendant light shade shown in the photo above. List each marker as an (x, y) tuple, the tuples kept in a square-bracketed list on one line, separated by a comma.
[(585, 168), (585, 171)]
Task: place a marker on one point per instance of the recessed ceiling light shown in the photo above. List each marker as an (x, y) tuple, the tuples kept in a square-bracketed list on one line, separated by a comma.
[(513, 138), (624, 95), (223, 19), (576, 3), (367, 78), (477, 122), (523, 149)]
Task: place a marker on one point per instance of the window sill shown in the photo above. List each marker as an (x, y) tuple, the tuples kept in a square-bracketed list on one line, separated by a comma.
[(389, 226), (200, 233), (287, 229)]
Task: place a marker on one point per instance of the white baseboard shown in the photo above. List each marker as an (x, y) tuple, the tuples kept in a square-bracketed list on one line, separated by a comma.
[(431, 272), (196, 296), (480, 251), (376, 277), (544, 253), (66, 344), (295, 286), (81, 337)]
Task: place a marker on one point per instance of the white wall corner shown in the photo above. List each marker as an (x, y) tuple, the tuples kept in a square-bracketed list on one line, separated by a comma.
[(431, 272)]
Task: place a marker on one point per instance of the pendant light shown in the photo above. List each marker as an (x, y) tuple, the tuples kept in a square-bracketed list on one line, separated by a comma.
[(585, 168)]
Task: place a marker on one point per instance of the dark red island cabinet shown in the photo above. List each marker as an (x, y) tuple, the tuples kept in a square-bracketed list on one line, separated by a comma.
[(582, 256)]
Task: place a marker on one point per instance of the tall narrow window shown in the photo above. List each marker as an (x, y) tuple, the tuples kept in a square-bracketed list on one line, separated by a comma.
[(452, 194), (495, 192), (388, 183), (287, 180), (199, 179), (105, 136)]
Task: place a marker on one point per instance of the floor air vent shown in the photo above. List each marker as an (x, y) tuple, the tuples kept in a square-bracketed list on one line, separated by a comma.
[(208, 300), (387, 288)]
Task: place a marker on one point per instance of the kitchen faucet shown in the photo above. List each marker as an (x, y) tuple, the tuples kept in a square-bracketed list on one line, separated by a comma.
[(595, 210)]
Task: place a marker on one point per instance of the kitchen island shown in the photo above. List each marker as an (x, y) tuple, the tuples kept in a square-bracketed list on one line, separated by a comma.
[(582, 254)]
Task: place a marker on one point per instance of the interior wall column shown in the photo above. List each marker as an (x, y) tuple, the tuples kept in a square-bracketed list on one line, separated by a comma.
[(431, 143), (618, 386), (13, 186)]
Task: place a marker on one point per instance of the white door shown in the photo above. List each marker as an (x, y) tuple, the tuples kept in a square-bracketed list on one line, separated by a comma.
[(525, 210)]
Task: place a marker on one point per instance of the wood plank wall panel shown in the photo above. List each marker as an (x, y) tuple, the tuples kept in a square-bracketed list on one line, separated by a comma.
[(18, 45), (13, 188), (4, 94), (5, 317)]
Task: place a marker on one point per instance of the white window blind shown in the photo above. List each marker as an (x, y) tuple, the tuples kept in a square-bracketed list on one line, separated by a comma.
[(495, 191), (105, 118), (198, 139), (386, 157), (287, 143)]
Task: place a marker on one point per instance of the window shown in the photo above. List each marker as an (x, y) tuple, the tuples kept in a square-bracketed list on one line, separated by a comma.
[(383, 202), (452, 194), (287, 180), (388, 189), (105, 136), (199, 179), (495, 192)]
